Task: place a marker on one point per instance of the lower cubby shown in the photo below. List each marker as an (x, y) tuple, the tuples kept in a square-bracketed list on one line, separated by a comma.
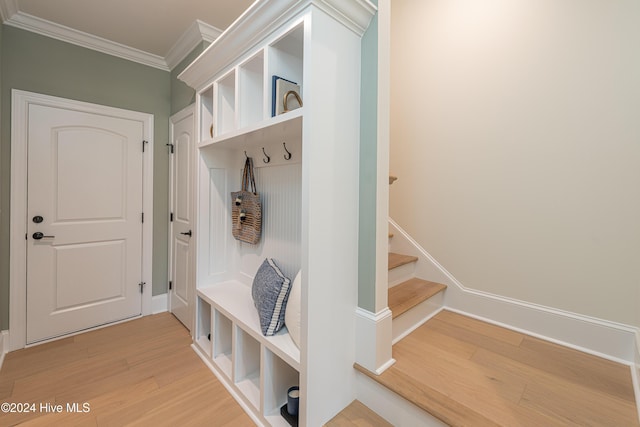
[(247, 366), (203, 326), (257, 369), (278, 377), (222, 343)]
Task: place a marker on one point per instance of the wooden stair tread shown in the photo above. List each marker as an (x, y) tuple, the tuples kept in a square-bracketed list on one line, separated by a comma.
[(357, 414), (428, 399), (407, 295), (398, 260)]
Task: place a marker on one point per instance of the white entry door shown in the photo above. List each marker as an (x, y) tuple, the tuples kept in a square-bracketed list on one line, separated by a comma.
[(181, 270), (84, 232)]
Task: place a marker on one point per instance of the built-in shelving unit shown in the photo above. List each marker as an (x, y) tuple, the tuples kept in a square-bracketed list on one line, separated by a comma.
[(306, 171)]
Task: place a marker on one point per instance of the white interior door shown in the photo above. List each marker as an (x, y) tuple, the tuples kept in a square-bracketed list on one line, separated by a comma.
[(181, 270), (84, 197)]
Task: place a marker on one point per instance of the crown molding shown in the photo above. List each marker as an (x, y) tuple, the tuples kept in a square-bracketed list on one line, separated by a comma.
[(259, 20), (196, 33), (79, 38), (8, 8)]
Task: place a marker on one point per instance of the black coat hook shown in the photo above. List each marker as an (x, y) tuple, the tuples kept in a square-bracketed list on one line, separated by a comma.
[(268, 159), (245, 154), (288, 155)]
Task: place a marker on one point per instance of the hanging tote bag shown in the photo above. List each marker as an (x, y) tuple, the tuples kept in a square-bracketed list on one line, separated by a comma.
[(246, 210)]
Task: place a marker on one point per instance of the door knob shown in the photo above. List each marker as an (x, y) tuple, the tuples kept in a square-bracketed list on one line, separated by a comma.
[(38, 235), (188, 233)]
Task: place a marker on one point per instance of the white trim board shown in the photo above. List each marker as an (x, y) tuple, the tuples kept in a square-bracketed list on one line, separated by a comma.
[(198, 31), (373, 338), (391, 406), (18, 227), (4, 344), (635, 372), (603, 338), (159, 303)]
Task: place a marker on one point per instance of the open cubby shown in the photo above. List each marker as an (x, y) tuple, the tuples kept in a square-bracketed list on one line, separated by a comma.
[(206, 114), (286, 59), (247, 366), (203, 326), (278, 377), (223, 342), (251, 102), (226, 106)]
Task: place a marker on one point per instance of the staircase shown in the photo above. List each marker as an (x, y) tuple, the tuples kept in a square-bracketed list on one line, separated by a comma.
[(412, 300), (455, 370)]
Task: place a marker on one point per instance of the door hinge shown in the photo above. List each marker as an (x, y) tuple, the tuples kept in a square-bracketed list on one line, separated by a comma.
[(170, 148), (170, 285), (143, 144), (142, 217), (141, 284), (171, 217)]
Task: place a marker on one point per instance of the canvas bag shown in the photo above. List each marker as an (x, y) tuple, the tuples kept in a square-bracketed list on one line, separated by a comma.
[(246, 209)]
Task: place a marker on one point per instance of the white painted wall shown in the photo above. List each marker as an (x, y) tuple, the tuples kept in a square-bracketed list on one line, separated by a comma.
[(515, 132)]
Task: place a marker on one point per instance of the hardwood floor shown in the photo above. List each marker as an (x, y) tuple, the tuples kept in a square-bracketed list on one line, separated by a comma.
[(467, 372), (357, 415), (138, 373)]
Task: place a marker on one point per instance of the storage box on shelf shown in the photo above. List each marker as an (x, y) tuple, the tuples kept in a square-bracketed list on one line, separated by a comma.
[(309, 194)]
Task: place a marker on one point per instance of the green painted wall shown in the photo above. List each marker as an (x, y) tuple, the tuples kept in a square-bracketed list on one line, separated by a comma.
[(39, 64), (368, 167), (181, 94)]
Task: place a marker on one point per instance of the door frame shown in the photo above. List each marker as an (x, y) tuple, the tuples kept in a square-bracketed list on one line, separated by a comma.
[(175, 118), (20, 102)]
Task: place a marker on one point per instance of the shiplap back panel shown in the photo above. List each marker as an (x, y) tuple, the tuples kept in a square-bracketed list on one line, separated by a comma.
[(219, 221), (280, 188)]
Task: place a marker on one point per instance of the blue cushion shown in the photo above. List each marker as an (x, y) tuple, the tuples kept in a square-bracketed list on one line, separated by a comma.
[(270, 293)]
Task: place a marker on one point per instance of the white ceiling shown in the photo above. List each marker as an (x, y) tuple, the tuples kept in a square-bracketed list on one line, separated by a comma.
[(160, 32)]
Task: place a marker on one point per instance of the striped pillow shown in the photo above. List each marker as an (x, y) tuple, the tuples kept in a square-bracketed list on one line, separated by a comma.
[(270, 293)]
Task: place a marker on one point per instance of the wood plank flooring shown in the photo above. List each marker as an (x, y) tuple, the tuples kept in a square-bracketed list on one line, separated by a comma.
[(137, 373), (357, 415), (467, 372)]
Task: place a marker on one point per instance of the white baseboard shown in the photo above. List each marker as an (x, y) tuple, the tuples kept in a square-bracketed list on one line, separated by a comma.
[(635, 372), (391, 406), (159, 303), (603, 338), (373, 335), (4, 345)]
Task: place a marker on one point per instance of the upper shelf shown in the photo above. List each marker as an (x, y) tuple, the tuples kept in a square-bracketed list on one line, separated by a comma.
[(251, 96), (285, 127), (260, 20)]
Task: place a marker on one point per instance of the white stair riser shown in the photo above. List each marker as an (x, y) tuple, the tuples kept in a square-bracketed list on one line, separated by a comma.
[(412, 319), (392, 407), (401, 274)]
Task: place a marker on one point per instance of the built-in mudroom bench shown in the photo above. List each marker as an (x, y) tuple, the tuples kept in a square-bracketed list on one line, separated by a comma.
[(305, 157)]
